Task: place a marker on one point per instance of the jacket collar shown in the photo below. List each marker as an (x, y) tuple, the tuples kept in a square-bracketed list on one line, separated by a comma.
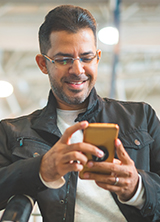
[(47, 118), (94, 107)]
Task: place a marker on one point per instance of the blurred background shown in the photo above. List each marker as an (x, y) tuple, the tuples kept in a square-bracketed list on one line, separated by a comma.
[(129, 68)]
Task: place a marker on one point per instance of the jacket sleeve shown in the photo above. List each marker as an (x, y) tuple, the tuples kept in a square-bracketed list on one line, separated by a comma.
[(151, 178), (20, 177)]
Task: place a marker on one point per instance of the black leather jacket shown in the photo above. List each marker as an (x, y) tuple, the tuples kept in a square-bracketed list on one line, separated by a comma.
[(24, 140)]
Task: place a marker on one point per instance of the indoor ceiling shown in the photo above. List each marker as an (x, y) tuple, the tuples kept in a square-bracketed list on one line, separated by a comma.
[(138, 70)]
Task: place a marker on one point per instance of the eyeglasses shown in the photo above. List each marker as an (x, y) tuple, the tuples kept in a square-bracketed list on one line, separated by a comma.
[(68, 61)]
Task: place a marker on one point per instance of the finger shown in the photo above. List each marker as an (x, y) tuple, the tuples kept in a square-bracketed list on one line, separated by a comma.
[(74, 166), (84, 148), (109, 168), (121, 152), (107, 182), (116, 189), (69, 131), (123, 188), (101, 167), (98, 177), (106, 179), (74, 156), (116, 161)]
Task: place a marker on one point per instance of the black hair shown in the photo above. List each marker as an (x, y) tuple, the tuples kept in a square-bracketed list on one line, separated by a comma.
[(65, 18)]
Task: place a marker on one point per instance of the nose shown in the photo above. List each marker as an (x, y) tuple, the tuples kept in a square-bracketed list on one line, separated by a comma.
[(77, 67)]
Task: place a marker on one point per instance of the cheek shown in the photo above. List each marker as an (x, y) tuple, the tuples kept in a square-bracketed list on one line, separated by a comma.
[(92, 71), (54, 73)]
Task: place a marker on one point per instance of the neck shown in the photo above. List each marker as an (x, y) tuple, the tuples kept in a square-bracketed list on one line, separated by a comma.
[(61, 105)]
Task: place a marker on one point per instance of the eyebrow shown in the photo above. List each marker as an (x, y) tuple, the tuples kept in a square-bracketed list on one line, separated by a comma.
[(62, 54), (87, 53), (70, 55)]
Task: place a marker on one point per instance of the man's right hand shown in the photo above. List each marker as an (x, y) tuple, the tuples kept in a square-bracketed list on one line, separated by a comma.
[(64, 157)]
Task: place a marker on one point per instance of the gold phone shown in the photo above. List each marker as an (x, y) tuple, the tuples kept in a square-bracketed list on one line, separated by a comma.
[(103, 136)]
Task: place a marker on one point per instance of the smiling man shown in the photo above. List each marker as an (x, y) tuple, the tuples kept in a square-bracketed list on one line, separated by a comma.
[(74, 72), (41, 154)]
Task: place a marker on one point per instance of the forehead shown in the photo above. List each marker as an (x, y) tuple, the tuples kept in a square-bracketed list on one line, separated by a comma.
[(63, 41)]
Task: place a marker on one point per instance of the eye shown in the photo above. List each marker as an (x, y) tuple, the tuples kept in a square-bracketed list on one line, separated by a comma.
[(87, 59), (64, 61)]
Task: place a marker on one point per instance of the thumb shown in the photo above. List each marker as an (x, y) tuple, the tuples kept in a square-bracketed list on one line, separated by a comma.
[(121, 152), (72, 129)]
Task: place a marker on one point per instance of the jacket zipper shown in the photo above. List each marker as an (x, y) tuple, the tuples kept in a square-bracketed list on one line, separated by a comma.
[(21, 141), (66, 198)]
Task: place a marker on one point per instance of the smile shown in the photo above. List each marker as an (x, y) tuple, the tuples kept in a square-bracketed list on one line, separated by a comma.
[(77, 83), (73, 85)]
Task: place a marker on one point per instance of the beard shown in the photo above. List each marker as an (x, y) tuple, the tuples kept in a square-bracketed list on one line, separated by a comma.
[(67, 99)]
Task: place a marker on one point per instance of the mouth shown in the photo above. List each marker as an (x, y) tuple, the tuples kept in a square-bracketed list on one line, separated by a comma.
[(76, 85)]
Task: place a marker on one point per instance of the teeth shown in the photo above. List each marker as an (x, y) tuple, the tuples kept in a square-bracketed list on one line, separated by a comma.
[(76, 83)]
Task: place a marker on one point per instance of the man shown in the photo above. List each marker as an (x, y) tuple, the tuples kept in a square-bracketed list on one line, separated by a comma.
[(42, 153)]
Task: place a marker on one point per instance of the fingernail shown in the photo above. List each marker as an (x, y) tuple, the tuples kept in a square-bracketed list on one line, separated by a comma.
[(86, 175), (100, 153), (113, 174), (90, 164), (118, 142), (84, 123)]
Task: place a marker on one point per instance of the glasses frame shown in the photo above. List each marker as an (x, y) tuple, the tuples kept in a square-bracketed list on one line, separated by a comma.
[(73, 59)]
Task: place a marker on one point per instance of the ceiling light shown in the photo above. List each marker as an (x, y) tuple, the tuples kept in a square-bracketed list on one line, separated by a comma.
[(6, 89), (109, 35)]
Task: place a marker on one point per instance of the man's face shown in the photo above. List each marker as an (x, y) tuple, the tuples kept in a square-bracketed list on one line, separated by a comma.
[(72, 84)]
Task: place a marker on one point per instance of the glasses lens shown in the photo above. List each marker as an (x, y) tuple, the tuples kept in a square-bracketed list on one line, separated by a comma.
[(87, 59), (63, 61), (68, 61)]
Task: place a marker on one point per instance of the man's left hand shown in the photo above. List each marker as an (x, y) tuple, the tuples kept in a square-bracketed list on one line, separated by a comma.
[(123, 177)]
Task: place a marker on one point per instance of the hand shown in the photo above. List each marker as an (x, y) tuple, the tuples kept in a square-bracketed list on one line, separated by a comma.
[(63, 156), (123, 168)]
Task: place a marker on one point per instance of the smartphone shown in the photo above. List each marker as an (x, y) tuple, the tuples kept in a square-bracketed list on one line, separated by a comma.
[(103, 136)]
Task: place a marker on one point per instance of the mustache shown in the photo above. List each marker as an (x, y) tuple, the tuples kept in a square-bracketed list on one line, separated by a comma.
[(77, 78)]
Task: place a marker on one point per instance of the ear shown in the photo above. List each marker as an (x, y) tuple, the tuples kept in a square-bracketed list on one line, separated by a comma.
[(41, 62), (98, 54)]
